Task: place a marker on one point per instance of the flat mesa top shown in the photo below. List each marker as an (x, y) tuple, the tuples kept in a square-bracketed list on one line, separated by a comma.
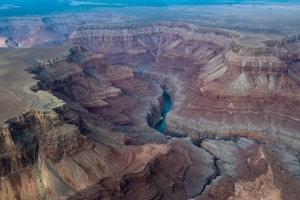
[(15, 94)]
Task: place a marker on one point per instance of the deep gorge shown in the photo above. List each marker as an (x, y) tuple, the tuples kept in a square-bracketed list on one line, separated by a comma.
[(160, 126), (101, 138)]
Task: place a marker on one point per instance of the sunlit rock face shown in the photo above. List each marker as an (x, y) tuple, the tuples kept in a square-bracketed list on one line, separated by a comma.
[(239, 105), (55, 160), (74, 151), (219, 88), (252, 171), (147, 43)]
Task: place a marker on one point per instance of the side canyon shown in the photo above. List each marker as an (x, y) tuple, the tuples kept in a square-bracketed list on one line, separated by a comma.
[(232, 131)]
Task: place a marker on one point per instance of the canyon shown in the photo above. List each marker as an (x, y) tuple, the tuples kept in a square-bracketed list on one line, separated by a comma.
[(83, 127), (47, 30), (219, 88)]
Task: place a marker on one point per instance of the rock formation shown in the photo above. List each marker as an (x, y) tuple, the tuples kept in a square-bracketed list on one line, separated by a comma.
[(47, 30), (73, 151), (239, 105), (147, 43), (219, 89), (252, 171), (113, 94)]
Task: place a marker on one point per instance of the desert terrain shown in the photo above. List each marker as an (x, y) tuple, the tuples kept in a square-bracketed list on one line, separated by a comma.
[(82, 95)]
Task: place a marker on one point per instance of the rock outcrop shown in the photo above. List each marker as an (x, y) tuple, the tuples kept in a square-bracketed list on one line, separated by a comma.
[(47, 30), (257, 171), (239, 105), (219, 89), (46, 156), (144, 44), (72, 151), (112, 94)]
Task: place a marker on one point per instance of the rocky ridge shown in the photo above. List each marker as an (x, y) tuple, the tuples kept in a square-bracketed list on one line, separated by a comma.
[(47, 30), (40, 147), (252, 171), (114, 94), (238, 104), (220, 90)]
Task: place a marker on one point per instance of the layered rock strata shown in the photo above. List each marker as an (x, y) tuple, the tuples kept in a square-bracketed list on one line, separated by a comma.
[(47, 30), (252, 171), (113, 94), (219, 89), (72, 152), (147, 43), (46, 156)]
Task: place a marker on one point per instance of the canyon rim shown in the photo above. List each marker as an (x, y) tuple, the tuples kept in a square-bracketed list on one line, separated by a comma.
[(136, 102)]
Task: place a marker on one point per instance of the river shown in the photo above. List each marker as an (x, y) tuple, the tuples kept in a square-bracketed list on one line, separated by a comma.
[(160, 126)]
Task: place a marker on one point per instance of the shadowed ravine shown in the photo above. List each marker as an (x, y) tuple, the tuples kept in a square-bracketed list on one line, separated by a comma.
[(160, 126), (90, 127)]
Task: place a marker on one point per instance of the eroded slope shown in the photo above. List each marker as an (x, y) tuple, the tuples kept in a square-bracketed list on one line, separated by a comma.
[(71, 151), (220, 89), (47, 30)]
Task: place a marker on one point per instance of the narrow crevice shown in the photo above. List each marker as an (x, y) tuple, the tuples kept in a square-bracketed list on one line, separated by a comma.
[(213, 177)]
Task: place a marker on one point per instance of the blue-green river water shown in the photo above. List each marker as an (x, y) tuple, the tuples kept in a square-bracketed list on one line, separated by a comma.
[(161, 125)]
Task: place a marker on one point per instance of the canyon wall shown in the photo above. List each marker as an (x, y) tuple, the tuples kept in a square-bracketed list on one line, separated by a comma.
[(47, 30), (73, 150), (222, 91), (239, 105), (47, 156), (144, 44), (219, 88)]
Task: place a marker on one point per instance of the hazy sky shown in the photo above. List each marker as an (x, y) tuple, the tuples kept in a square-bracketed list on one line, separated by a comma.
[(138, 2), (33, 7)]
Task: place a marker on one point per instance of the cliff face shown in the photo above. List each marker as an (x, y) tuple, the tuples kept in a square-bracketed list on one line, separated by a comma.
[(113, 93), (73, 151), (248, 170), (31, 141), (47, 156), (148, 43), (47, 30), (251, 93), (219, 89), (252, 171), (287, 48), (99, 144)]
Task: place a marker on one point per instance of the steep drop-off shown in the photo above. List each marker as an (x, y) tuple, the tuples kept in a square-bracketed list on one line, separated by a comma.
[(47, 30), (239, 104), (220, 89), (74, 151)]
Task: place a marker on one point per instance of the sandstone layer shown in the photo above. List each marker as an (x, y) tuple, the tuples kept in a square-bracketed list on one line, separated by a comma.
[(82, 130), (219, 89), (252, 171), (111, 95), (71, 150), (47, 30)]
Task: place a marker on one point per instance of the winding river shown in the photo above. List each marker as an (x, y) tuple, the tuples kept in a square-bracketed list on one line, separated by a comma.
[(160, 126)]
